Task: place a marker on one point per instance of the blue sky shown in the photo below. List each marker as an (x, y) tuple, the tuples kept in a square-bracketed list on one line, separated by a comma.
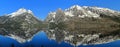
[(41, 8)]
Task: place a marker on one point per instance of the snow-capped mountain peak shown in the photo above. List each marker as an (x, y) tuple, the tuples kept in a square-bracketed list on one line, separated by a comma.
[(86, 12), (76, 7), (20, 11), (80, 11)]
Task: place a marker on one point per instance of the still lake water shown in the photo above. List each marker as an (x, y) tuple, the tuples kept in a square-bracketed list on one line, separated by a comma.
[(41, 40)]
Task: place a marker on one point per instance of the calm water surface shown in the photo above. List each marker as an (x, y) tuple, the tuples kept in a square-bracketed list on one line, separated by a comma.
[(41, 40)]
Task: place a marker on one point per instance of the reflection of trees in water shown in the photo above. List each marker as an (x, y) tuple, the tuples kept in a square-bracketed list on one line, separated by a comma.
[(78, 29), (19, 32), (112, 33), (59, 35)]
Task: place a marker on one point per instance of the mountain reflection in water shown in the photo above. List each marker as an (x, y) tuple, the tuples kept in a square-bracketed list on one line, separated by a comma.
[(41, 40)]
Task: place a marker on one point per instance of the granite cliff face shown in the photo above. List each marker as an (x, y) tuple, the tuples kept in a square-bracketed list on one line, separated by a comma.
[(84, 25)]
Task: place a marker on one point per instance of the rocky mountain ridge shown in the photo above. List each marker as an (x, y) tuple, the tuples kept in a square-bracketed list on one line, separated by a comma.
[(84, 25)]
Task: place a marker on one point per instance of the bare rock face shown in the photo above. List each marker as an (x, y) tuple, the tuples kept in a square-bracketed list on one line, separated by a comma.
[(84, 25), (20, 25)]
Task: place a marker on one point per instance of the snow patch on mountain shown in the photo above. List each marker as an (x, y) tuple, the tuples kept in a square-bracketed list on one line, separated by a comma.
[(20, 11), (69, 14), (77, 7), (80, 12)]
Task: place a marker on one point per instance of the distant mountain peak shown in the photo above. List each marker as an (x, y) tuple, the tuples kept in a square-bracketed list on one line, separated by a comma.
[(20, 11), (76, 7)]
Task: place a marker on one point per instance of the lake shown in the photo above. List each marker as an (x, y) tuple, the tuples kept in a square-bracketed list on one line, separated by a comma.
[(41, 40)]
